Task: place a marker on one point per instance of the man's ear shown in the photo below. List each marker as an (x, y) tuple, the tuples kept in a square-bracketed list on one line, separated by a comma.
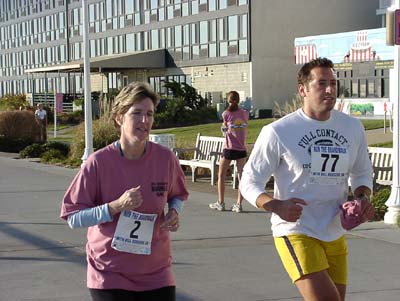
[(302, 90)]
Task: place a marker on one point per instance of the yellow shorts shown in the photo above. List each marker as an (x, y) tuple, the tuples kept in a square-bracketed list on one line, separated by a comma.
[(302, 255)]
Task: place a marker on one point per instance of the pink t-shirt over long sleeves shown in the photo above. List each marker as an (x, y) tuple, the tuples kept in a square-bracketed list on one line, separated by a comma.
[(236, 122), (105, 176)]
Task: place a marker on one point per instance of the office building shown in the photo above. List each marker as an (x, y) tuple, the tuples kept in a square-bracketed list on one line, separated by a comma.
[(214, 45)]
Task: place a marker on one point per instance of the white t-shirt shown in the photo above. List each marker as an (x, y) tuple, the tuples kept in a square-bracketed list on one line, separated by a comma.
[(312, 160), (41, 114)]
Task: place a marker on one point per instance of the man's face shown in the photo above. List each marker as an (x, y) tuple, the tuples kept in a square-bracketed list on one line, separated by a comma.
[(319, 93)]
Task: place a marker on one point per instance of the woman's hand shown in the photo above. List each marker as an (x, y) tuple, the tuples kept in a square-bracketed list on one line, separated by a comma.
[(129, 200), (171, 222)]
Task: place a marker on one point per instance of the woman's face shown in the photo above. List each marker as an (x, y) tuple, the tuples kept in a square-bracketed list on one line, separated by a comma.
[(136, 123)]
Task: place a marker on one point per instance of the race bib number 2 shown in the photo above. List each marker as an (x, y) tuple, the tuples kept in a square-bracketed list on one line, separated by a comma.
[(134, 232), (329, 165)]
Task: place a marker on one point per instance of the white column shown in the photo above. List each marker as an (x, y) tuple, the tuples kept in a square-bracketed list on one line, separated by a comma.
[(393, 203), (87, 90)]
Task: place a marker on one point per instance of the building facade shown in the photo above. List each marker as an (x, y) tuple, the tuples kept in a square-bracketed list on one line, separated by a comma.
[(214, 45)]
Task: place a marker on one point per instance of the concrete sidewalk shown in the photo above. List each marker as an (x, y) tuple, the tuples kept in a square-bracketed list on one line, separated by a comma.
[(217, 255)]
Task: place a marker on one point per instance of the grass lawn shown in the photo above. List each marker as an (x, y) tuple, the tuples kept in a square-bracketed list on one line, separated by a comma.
[(186, 136)]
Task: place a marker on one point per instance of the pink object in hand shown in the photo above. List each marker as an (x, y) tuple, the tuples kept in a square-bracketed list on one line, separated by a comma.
[(351, 215)]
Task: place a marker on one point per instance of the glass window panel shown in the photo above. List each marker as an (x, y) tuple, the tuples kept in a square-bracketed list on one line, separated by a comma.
[(154, 39), (178, 36), (233, 27), (212, 49), (154, 4), (161, 14), (242, 2), (186, 53), (195, 7), (185, 9), (212, 5), (243, 47), (130, 42), (243, 26), (203, 32), (194, 33), (195, 52), (139, 44), (162, 38), (147, 17), (129, 6), (223, 49), (222, 29), (146, 40), (223, 4), (170, 12), (186, 34), (169, 37), (213, 30)]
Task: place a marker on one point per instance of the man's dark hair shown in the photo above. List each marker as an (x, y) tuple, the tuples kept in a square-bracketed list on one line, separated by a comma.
[(304, 74)]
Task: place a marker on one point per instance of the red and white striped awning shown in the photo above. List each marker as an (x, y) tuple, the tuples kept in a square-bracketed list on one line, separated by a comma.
[(305, 53)]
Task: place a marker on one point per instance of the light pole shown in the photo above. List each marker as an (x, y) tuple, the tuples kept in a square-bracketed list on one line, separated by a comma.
[(392, 216), (87, 90)]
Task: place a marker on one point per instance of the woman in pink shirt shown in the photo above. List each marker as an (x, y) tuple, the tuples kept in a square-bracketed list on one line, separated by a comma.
[(119, 195), (234, 127)]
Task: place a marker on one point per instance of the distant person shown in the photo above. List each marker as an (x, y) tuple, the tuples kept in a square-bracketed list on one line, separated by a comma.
[(41, 117), (234, 128), (313, 154), (120, 195)]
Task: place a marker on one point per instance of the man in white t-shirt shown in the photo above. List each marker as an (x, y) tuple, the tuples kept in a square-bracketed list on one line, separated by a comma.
[(41, 117), (313, 154)]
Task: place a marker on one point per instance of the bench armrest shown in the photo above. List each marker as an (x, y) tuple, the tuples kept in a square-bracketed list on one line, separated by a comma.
[(215, 154), (382, 168), (179, 151)]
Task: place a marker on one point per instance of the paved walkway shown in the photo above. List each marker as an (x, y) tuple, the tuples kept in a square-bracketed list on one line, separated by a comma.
[(217, 255)]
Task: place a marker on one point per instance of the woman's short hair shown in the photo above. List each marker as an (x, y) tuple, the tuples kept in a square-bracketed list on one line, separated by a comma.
[(133, 93)]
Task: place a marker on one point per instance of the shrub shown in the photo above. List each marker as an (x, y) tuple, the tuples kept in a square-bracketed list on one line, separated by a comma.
[(103, 133), (19, 125), (13, 102), (288, 107), (53, 156), (34, 150), (60, 146), (69, 118), (13, 145), (378, 200)]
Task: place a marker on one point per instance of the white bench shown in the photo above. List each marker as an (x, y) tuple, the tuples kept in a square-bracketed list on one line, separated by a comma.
[(382, 163), (207, 153)]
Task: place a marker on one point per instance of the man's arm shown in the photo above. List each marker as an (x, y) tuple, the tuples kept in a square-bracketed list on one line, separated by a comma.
[(288, 210)]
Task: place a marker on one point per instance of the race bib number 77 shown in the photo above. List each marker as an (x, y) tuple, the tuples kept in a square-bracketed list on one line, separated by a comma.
[(329, 165)]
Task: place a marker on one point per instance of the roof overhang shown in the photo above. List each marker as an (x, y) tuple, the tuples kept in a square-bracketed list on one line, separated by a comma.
[(153, 59)]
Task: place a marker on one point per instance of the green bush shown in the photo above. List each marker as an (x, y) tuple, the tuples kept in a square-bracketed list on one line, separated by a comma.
[(34, 150), (14, 145), (60, 146), (53, 156), (176, 114), (378, 200), (103, 133), (13, 102), (69, 118)]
